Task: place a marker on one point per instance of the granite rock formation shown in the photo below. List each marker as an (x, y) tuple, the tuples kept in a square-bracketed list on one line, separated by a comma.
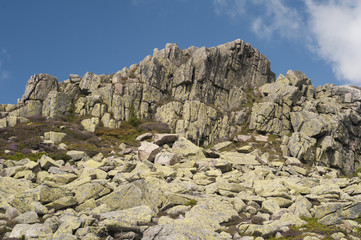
[(199, 92), (209, 95)]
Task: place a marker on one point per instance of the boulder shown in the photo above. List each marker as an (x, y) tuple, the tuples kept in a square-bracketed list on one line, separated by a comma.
[(164, 138), (147, 151), (132, 195), (38, 87), (74, 78), (75, 155), (31, 231), (89, 82), (90, 124), (56, 137), (128, 219), (27, 218), (187, 149), (56, 104), (144, 136), (167, 158), (46, 162)]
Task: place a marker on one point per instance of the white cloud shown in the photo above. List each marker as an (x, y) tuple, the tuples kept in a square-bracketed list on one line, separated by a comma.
[(336, 32), (4, 74)]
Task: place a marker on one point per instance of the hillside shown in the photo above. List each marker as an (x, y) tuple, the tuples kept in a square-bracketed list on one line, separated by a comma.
[(201, 143)]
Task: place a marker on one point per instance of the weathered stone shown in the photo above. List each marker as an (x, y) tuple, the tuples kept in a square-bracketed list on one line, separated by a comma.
[(38, 87), (27, 218), (245, 149), (128, 219), (31, 231), (90, 124), (92, 190), (46, 162), (144, 136), (56, 104), (221, 145), (167, 158), (292, 161), (187, 149), (74, 78), (89, 82), (239, 159), (147, 151), (242, 138), (131, 195), (270, 206), (62, 203), (161, 139), (75, 155), (56, 137)]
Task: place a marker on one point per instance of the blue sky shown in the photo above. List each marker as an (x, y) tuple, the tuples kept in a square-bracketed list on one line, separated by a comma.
[(320, 38)]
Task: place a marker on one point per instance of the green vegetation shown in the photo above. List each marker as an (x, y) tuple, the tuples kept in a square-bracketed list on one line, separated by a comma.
[(126, 133), (356, 172), (312, 226), (191, 203), (25, 140), (133, 118), (252, 98)]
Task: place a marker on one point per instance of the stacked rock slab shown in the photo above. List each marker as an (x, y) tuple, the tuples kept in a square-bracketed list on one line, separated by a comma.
[(320, 125), (199, 92)]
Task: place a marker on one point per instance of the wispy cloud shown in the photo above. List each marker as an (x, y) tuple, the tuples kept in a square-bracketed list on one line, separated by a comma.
[(4, 56), (336, 34), (276, 16), (232, 8), (331, 28)]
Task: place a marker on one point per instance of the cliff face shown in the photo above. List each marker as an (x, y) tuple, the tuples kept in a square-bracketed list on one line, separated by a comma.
[(207, 95), (199, 92)]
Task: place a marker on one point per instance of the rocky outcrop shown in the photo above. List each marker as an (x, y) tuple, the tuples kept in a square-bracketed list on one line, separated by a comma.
[(207, 95), (198, 92), (320, 125)]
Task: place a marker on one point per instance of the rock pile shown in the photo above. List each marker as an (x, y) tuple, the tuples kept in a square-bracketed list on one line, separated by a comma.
[(170, 188)]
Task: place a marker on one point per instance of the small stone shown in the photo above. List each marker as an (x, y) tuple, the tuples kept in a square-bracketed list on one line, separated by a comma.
[(221, 145), (338, 235), (161, 139), (242, 138), (261, 138), (144, 137), (293, 161), (245, 149), (75, 155)]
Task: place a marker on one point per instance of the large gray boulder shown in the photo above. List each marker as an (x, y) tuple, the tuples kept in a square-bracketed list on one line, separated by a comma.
[(39, 86)]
